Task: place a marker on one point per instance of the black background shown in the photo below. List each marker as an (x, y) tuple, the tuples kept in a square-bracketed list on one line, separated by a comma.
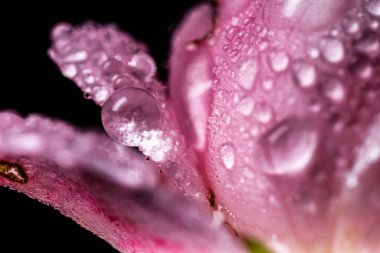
[(30, 82)]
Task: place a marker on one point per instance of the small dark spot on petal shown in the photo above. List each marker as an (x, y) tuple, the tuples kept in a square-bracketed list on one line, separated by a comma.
[(13, 171), (211, 198)]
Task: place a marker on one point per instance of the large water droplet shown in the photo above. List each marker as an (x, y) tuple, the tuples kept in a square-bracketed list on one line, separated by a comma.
[(289, 147), (131, 115), (333, 89), (372, 7), (247, 74), (304, 74), (227, 154), (279, 61), (332, 50)]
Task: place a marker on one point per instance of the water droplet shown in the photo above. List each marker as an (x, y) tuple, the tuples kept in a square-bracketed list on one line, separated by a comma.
[(76, 56), (374, 25), (247, 74), (144, 66), (111, 67), (313, 53), (13, 172), (372, 7), (315, 106), (289, 147), (363, 69), (263, 45), (69, 70), (227, 154), (232, 32), (268, 84), (61, 30), (123, 81), (368, 153), (304, 74), (369, 44), (263, 113), (130, 115), (100, 94), (333, 89), (279, 61), (245, 106), (332, 50), (351, 25)]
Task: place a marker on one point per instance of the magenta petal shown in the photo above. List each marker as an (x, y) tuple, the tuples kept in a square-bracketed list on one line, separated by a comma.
[(191, 76), (106, 188)]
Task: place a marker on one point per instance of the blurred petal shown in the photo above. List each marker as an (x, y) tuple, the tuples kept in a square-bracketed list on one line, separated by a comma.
[(106, 188), (110, 62), (191, 76)]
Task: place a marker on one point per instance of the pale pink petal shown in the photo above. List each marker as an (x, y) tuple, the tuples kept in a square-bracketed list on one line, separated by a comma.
[(191, 76), (102, 61), (296, 95), (106, 188)]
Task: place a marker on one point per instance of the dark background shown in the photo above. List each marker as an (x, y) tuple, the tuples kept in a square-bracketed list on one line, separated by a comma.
[(30, 82)]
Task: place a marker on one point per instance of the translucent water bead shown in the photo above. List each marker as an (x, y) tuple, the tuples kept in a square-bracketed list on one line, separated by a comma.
[(132, 116)]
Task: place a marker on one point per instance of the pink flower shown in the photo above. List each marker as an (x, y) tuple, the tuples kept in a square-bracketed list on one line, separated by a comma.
[(268, 132)]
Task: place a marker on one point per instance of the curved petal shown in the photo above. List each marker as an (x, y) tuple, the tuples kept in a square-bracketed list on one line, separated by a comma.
[(102, 61), (295, 98), (191, 76), (106, 188)]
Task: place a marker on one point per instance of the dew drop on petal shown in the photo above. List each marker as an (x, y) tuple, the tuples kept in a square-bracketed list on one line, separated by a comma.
[(313, 53), (76, 56), (69, 70), (130, 115), (351, 25), (333, 89), (245, 106), (264, 113), (288, 147), (227, 154), (247, 74), (369, 44), (267, 84), (363, 69), (279, 61), (143, 65), (304, 74), (374, 25), (332, 50), (372, 7)]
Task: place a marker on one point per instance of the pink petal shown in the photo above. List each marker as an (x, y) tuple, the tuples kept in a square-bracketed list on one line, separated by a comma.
[(105, 187), (191, 74), (102, 60), (296, 97)]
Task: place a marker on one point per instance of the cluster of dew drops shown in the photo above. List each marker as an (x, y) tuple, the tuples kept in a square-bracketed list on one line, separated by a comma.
[(322, 68), (118, 74)]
